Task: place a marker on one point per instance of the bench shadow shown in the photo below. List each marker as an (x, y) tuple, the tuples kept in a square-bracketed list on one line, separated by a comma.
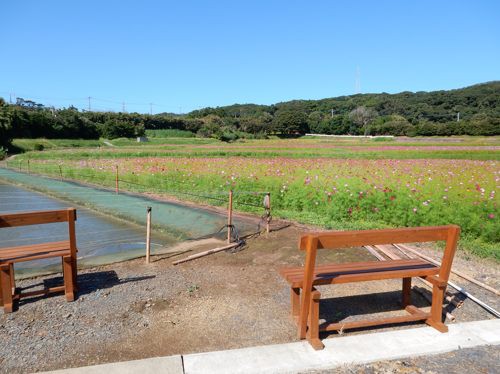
[(87, 283), (336, 309)]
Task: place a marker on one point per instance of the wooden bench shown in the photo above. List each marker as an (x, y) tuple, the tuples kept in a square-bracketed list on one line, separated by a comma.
[(305, 297), (64, 249)]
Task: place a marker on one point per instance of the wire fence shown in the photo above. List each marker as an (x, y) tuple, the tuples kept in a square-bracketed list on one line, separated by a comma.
[(128, 200), (106, 179)]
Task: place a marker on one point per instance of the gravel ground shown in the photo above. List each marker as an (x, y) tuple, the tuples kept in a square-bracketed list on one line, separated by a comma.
[(479, 360), (132, 310)]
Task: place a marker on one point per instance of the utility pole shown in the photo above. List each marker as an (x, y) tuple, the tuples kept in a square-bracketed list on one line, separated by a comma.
[(332, 113), (89, 103), (123, 106), (151, 108), (458, 116)]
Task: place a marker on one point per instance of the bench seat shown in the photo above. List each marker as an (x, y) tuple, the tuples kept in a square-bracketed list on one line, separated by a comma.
[(360, 271), (34, 252)]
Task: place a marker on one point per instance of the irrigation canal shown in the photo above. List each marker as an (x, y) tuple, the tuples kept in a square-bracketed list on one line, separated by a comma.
[(117, 235)]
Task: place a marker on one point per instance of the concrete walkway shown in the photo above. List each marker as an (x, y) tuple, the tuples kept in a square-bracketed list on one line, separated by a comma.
[(300, 357)]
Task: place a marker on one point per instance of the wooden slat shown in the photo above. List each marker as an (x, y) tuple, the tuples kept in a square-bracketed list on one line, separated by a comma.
[(347, 278), (45, 291), (34, 252), (346, 239), (37, 257), (35, 217), (413, 317), (34, 248), (372, 265)]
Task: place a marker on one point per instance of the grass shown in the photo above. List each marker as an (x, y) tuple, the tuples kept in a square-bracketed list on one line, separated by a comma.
[(334, 184), (26, 145), (169, 133)]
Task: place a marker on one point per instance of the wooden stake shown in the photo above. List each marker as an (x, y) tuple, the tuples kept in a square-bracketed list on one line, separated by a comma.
[(206, 253), (116, 179), (148, 235), (267, 206), (460, 274), (230, 216)]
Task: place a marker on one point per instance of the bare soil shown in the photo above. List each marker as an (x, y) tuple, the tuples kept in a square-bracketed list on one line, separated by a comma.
[(226, 300)]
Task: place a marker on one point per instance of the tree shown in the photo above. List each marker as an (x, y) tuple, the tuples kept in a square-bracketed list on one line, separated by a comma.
[(5, 126), (113, 129), (362, 117), (290, 122), (390, 125)]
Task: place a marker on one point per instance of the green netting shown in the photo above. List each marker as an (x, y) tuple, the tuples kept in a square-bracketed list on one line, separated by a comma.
[(102, 239)]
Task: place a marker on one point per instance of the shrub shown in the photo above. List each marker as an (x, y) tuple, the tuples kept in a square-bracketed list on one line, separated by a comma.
[(113, 129)]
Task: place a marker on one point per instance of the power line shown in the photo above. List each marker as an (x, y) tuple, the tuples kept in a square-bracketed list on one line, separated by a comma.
[(90, 102)]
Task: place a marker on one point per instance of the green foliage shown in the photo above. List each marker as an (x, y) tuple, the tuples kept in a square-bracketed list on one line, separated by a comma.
[(169, 133), (26, 145), (391, 125), (5, 126), (113, 129), (405, 113), (410, 193), (290, 122), (38, 147)]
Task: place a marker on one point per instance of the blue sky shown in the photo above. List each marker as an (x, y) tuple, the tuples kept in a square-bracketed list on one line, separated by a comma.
[(189, 54)]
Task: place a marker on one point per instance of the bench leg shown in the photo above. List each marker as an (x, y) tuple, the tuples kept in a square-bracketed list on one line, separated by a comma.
[(313, 330), (68, 275), (5, 283), (1, 293), (295, 301), (406, 297), (75, 273), (437, 309)]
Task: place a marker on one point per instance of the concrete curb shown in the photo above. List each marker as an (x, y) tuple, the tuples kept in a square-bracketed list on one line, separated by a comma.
[(167, 365), (300, 357)]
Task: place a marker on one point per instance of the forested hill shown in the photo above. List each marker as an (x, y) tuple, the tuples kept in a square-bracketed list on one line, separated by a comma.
[(473, 110), (435, 106)]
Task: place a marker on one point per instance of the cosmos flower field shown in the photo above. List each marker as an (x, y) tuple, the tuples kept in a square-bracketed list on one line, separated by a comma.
[(327, 191)]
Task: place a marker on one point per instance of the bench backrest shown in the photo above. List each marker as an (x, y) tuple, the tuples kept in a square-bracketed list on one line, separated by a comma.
[(344, 239), (43, 217)]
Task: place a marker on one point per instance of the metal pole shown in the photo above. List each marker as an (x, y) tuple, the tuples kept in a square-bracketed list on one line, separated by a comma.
[(230, 216), (148, 235), (116, 179)]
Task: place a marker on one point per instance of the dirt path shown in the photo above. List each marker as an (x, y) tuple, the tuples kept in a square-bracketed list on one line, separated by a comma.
[(131, 310)]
